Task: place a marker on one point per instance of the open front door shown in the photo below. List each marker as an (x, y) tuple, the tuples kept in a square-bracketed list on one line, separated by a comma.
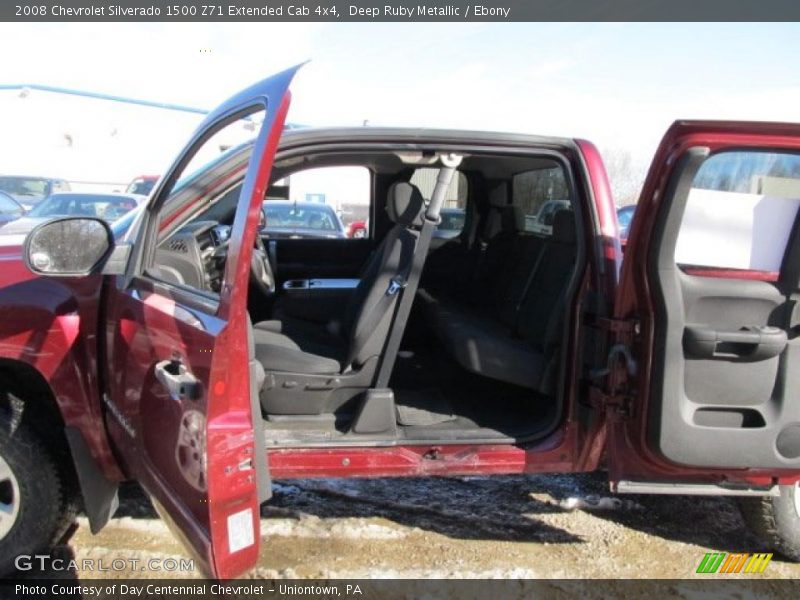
[(708, 304), (181, 383)]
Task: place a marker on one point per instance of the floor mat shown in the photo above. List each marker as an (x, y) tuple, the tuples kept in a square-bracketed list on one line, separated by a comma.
[(419, 408)]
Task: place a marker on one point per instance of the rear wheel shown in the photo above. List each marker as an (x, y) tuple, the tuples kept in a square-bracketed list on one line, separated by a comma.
[(776, 520), (33, 507)]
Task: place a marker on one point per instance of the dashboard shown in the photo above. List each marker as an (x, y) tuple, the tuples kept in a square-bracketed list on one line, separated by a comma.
[(195, 255)]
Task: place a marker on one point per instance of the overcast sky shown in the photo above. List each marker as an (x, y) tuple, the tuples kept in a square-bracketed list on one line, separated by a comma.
[(619, 85)]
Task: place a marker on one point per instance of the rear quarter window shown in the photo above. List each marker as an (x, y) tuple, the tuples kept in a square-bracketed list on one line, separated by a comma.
[(538, 194)]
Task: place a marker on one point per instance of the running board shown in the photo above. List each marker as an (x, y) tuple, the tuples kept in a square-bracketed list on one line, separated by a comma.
[(689, 489)]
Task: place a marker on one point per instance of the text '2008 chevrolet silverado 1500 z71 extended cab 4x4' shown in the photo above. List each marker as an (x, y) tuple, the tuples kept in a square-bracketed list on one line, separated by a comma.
[(199, 356)]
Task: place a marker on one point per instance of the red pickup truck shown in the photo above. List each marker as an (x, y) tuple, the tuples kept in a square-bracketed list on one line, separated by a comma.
[(197, 357)]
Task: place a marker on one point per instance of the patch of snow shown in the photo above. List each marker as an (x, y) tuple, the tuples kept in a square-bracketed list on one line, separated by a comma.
[(156, 526), (314, 527), (593, 502), (285, 489)]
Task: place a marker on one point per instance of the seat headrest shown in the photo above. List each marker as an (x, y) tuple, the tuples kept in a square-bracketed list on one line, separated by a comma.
[(405, 204), (564, 226), (508, 219), (498, 195)]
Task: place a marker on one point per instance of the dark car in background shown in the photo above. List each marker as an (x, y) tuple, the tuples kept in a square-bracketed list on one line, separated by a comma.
[(542, 222), (451, 224), (10, 209), (287, 219), (108, 207), (142, 185), (30, 191), (625, 218)]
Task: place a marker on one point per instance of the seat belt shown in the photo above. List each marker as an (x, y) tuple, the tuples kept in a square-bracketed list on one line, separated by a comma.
[(408, 288)]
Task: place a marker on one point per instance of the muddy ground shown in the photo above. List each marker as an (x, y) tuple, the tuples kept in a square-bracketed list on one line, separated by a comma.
[(464, 527)]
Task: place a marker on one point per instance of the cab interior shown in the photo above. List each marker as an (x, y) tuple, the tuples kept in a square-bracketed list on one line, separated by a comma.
[(481, 353)]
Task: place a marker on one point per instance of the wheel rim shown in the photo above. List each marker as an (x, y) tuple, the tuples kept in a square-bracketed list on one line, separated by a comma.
[(9, 498)]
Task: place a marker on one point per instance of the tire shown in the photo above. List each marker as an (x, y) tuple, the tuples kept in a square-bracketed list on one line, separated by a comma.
[(41, 512), (776, 520)]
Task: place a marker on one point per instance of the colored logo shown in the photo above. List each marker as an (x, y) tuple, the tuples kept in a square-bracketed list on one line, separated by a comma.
[(722, 562)]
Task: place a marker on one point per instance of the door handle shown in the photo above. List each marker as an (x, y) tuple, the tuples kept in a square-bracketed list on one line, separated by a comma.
[(180, 383), (748, 344)]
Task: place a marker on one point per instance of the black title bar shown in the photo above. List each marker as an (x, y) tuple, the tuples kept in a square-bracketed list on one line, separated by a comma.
[(399, 11)]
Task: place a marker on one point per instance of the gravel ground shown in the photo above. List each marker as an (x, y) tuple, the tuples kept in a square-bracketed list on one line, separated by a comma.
[(464, 527)]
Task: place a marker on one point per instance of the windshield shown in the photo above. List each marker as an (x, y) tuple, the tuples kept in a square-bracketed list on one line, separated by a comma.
[(107, 207), (29, 187), (318, 218)]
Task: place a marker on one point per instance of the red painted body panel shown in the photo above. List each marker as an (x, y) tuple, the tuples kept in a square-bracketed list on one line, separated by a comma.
[(732, 273), (51, 325), (630, 455), (604, 208), (552, 455), (195, 456)]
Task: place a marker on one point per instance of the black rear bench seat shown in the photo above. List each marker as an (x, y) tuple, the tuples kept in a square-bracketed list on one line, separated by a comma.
[(507, 326)]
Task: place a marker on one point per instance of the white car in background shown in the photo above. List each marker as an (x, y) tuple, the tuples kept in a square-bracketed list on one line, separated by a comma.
[(108, 207), (542, 222)]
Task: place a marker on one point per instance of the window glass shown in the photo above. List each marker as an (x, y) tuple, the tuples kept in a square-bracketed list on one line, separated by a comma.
[(740, 211), (190, 227), (324, 202), (25, 189), (538, 194), (103, 206), (454, 210), (7, 205)]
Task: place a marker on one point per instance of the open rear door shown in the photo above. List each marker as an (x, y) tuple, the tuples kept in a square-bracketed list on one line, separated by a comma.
[(180, 386), (708, 307)]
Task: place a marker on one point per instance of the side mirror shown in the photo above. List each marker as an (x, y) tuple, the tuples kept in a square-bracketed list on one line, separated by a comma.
[(72, 246), (262, 222)]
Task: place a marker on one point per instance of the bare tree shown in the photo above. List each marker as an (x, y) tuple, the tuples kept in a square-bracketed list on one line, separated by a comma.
[(625, 175)]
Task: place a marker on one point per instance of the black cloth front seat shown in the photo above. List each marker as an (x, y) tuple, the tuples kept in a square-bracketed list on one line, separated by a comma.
[(306, 348)]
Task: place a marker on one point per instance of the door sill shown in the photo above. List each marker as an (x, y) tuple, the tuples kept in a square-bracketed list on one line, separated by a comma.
[(322, 433), (689, 489)]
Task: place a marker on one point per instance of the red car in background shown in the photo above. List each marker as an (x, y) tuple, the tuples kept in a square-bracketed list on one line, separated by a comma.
[(136, 358), (357, 229)]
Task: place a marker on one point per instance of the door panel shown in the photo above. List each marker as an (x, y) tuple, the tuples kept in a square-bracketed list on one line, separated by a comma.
[(155, 431), (709, 276), (714, 387), (179, 385)]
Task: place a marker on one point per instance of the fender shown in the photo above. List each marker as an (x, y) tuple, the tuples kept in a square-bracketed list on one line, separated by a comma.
[(51, 325)]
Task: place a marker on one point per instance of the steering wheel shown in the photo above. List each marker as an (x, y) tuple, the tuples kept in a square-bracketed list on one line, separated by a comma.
[(261, 275)]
